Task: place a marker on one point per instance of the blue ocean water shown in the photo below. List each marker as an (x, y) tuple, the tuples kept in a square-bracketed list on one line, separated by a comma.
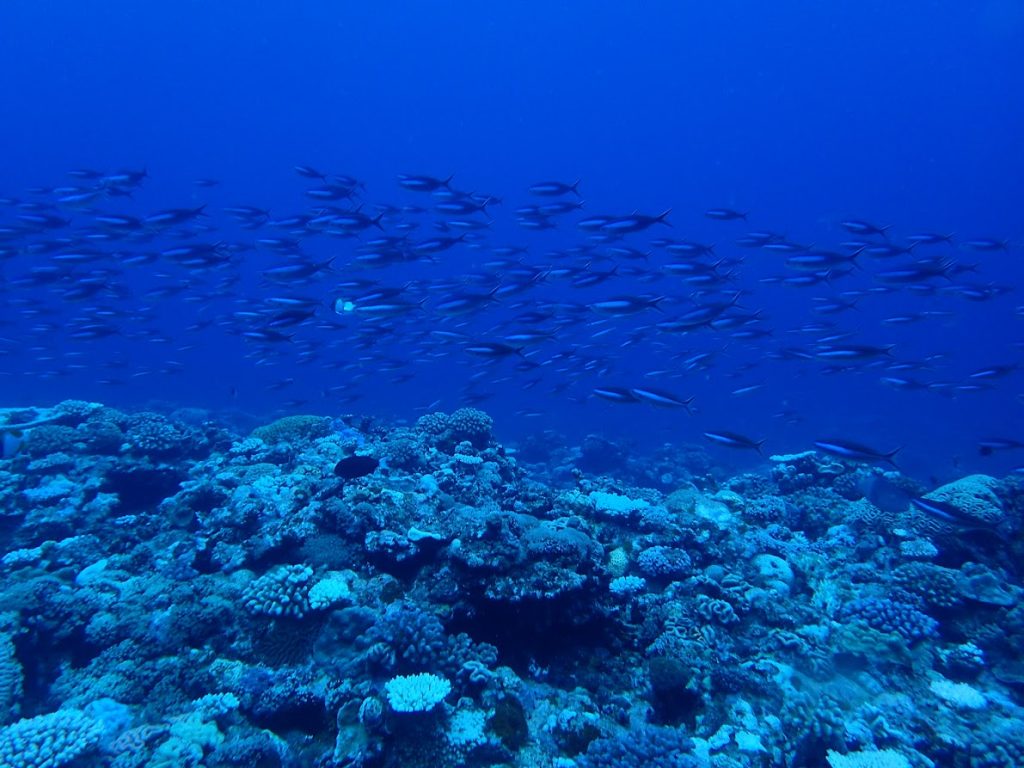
[(656, 244), (805, 117)]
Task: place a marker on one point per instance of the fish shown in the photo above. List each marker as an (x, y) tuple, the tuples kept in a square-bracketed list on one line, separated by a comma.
[(990, 445), (950, 515), (436, 245), (661, 398), (172, 217), (464, 302), (621, 306), (423, 183), (734, 440), (297, 272), (554, 188), (747, 389), (621, 395), (993, 371), (492, 350), (931, 238), (309, 172), (987, 244), (844, 449), (268, 336), (353, 281), (354, 467), (857, 227), (688, 248), (560, 208), (636, 222), (852, 353), (725, 214), (817, 261)]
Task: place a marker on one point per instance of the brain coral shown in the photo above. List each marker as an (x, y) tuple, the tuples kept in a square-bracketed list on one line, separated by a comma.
[(974, 495), (293, 429)]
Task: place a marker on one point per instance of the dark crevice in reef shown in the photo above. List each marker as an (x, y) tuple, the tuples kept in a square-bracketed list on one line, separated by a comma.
[(300, 713), (533, 632), (140, 489)]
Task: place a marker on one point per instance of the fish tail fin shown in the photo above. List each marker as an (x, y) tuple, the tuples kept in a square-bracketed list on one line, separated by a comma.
[(661, 218), (574, 187), (890, 457), (758, 446), (376, 221), (448, 181)]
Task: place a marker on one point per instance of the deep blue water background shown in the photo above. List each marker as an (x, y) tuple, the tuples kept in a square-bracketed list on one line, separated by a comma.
[(806, 114)]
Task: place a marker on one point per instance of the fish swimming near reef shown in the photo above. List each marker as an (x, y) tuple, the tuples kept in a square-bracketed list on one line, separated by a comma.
[(990, 445), (885, 494), (733, 440), (354, 467), (845, 449), (944, 518), (420, 291)]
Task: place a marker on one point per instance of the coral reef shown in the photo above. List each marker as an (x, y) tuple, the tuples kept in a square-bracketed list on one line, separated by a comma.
[(175, 593)]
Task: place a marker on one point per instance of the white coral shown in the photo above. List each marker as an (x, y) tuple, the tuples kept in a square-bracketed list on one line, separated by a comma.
[(616, 505), (329, 591), (871, 758), (416, 693)]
